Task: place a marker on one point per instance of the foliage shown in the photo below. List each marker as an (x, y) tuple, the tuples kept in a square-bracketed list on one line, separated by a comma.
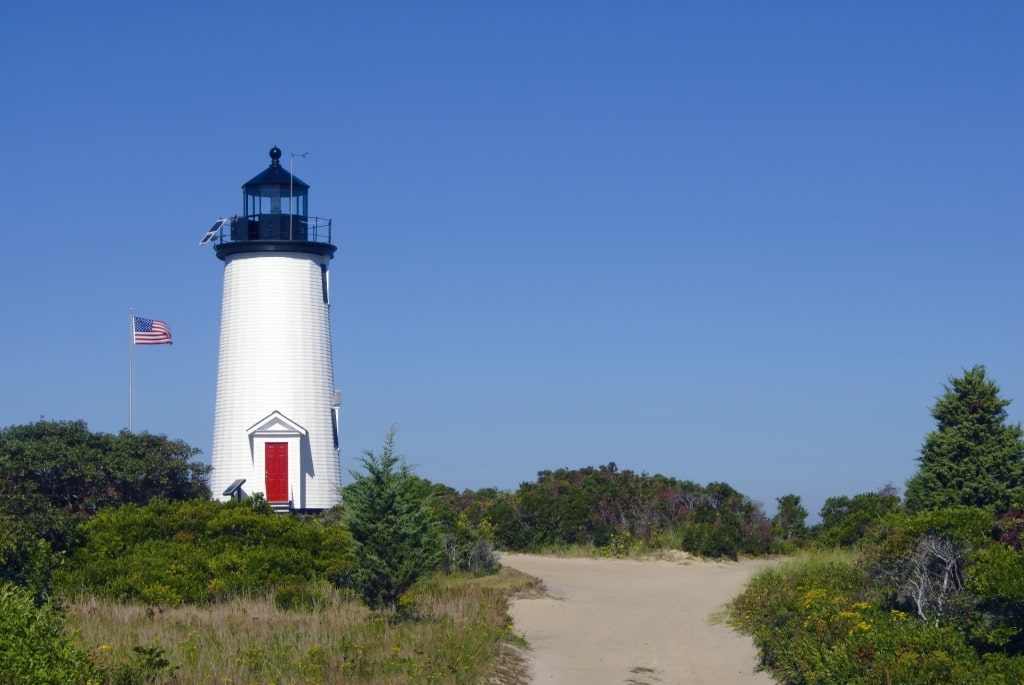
[(79, 471), (34, 649), (951, 567), (845, 520), (789, 525), (931, 597), (1010, 527), (974, 457), (468, 546), (500, 511), (54, 473), (144, 665), (815, 623), (27, 545), (996, 584), (932, 577), (724, 523), (396, 537), (166, 553), (594, 507), (620, 546)]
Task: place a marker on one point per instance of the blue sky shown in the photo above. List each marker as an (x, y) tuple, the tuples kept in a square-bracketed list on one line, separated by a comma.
[(732, 241)]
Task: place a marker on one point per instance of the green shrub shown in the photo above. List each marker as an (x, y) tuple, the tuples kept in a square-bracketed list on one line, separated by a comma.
[(467, 547), (620, 546), (147, 665), (34, 649), (25, 559), (814, 623), (846, 520), (981, 592), (996, 583), (589, 507), (197, 551), (301, 597), (716, 539)]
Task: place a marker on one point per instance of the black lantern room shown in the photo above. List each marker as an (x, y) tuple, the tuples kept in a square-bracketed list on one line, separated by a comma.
[(275, 216)]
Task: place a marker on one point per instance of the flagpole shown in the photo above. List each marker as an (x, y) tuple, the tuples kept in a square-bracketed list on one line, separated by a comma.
[(131, 367)]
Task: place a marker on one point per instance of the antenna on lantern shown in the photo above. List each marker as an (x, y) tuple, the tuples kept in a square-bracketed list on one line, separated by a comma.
[(291, 186)]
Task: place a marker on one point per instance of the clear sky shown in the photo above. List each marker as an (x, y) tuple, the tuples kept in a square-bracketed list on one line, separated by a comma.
[(722, 241)]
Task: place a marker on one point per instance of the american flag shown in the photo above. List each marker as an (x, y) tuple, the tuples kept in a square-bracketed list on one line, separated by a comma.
[(151, 332)]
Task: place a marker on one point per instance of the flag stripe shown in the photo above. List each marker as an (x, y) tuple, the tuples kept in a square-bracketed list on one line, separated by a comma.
[(150, 332)]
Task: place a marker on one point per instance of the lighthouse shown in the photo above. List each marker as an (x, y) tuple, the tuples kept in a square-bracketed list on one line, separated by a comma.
[(275, 427)]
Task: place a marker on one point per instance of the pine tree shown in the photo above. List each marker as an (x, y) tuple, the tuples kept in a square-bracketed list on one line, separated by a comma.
[(974, 457), (396, 539), (790, 523)]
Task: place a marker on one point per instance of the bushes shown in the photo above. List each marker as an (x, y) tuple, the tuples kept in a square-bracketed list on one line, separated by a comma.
[(952, 567), (846, 520), (595, 506), (467, 547), (55, 473), (919, 563), (34, 649), (26, 558), (829, 619), (468, 544), (198, 551), (79, 471)]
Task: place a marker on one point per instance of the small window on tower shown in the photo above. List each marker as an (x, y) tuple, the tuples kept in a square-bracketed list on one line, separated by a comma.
[(323, 283), (334, 425)]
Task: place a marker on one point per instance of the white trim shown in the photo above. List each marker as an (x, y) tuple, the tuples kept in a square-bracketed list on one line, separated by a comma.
[(276, 427), (276, 423)]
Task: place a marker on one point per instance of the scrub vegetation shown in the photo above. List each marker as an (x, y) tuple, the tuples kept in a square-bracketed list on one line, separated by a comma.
[(115, 566), (928, 591), (459, 632)]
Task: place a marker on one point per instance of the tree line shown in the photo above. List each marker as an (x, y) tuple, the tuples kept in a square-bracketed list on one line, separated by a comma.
[(57, 475)]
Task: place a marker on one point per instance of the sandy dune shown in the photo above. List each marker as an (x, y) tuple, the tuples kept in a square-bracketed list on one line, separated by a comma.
[(639, 622)]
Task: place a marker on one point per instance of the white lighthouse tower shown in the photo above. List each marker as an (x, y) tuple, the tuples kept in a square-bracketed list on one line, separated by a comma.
[(276, 418)]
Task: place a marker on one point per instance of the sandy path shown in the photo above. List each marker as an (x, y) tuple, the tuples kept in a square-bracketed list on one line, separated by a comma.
[(621, 621)]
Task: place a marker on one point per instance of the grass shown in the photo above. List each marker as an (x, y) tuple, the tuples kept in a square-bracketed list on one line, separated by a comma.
[(458, 631), (567, 551), (620, 546), (815, 559)]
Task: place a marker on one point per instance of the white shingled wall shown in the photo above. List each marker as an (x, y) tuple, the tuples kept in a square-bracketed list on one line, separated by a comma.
[(275, 355)]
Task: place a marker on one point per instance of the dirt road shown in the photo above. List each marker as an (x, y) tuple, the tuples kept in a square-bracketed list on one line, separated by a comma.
[(621, 621)]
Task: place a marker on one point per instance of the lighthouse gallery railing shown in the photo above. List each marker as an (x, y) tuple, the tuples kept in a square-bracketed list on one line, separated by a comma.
[(276, 227)]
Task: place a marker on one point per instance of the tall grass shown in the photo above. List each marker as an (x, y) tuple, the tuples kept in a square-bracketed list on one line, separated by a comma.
[(457, 630), (807, 561)]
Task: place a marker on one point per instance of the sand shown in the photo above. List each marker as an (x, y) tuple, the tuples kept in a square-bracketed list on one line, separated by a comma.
[(638, 622)]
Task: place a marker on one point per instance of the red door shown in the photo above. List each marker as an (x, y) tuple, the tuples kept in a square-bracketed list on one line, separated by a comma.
[(276, 459)]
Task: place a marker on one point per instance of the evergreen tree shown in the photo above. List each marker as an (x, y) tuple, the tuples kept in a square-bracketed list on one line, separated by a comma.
[(396, 538), (790, 523), (974, 457)]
